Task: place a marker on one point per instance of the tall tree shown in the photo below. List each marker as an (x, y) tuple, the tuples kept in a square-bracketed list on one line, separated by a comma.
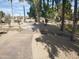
[(23, 3), (66, 12), (11, 1), (52, 3), (31, 13), (45, 8), (36, 4), (48, 3), (63, 13), (74, 20), (2, 14)]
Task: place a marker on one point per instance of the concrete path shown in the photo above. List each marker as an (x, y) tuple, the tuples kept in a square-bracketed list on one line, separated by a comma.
[(16, 45)]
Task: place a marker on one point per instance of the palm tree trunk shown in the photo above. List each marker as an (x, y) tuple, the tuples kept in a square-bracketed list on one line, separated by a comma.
[(11, 11), (37, 8), (48, 3), (74, 21), (62, 18), (43, 3), (52, 3), (11, 6), (22, 1), (24, 12)]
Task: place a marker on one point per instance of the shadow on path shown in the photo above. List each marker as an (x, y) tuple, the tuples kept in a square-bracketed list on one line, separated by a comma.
[(56, 39)]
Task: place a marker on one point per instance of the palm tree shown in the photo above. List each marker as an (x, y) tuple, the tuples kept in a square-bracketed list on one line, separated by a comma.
[(11, 1), (2, 14), (74, 20), (36, 4), (23, 7), (24, 13), (48, 3), (63, 12), (52, 3), (37, 8), (11, 6)]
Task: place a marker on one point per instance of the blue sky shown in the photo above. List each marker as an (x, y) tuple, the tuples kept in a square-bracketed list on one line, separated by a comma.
[(17, 7)]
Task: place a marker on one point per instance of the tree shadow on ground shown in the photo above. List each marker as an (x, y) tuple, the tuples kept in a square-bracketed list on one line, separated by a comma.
[(54, 40), (52, 29), (1, 33)]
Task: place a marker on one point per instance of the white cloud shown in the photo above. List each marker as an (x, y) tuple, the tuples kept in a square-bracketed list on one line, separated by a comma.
[(6, 10)]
